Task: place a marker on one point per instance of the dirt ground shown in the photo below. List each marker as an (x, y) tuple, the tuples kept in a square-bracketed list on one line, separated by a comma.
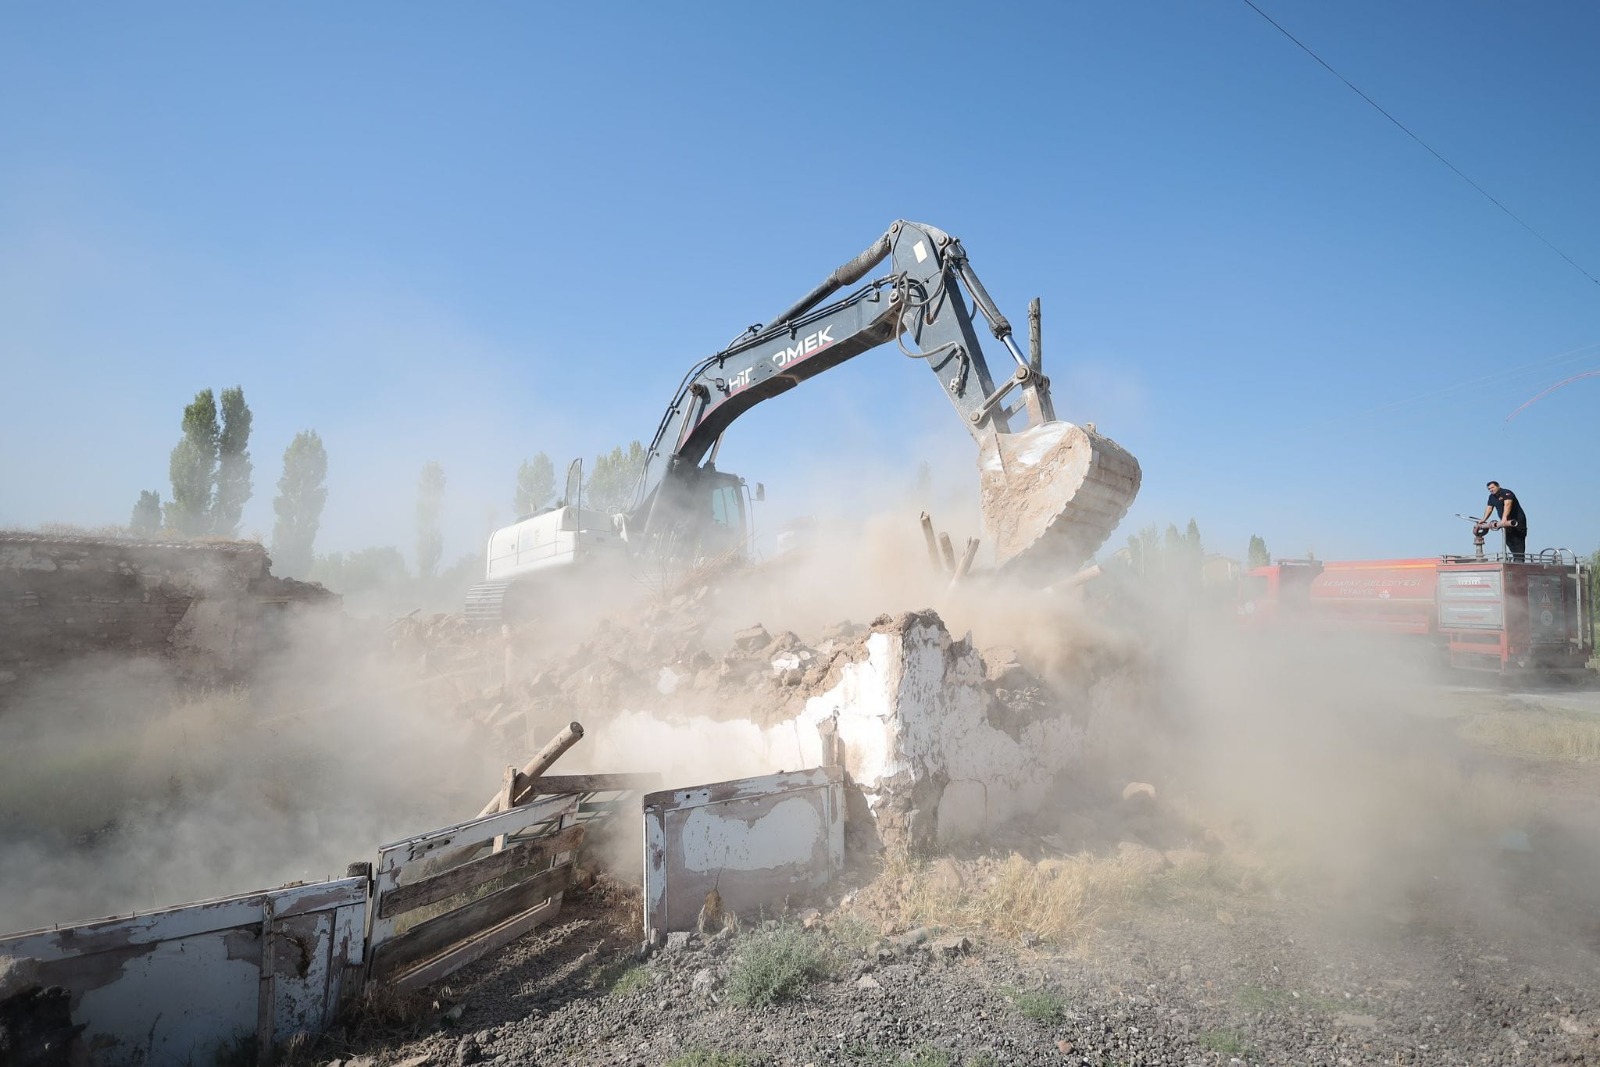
[(1227, 951)]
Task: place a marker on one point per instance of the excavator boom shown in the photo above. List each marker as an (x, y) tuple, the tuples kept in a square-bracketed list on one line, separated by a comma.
[(1051, 492)]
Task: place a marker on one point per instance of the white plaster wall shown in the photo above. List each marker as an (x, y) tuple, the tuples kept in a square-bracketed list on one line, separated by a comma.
[(695, 750), (911, 706)]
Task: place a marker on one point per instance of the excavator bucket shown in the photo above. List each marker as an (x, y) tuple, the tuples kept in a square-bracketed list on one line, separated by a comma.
[(1052, 494)]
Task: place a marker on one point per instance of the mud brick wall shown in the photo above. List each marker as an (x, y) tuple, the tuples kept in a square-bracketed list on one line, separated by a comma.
[(209, 605)]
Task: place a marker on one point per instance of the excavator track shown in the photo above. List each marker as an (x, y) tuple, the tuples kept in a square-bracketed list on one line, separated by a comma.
[(1051, 496)]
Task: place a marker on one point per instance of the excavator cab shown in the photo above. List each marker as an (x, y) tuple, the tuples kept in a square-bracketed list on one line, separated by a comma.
[(699, 515)]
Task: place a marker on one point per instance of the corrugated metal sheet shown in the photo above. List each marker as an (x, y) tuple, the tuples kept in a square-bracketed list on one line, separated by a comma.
[(754, 840)]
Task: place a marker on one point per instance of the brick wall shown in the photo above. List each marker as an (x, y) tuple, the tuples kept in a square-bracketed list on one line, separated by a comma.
[(213, 607)]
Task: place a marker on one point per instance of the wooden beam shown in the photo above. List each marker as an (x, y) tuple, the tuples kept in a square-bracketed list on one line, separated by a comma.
[(479, 946), (541, 762), (587, 783), (446, 884), (428, 939)]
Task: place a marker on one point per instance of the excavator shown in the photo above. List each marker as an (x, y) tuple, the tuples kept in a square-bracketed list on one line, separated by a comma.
[(1051, 492)]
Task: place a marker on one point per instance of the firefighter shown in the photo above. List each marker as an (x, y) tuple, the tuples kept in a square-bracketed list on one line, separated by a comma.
[(1510, 518)]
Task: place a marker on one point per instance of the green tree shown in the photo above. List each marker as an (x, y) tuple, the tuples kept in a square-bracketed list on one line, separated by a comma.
[(1168, 555), (146, 519), (536, 484), (430, 506), (233, 464), (193, 468), (367, 571), (1258, 555), (301, 495), (1145, 552), (614, 478)]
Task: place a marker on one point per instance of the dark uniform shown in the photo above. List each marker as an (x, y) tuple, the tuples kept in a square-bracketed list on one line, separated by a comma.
[(1517, 532)]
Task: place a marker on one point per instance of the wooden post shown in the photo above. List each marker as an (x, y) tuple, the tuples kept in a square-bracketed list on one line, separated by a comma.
[(966, 560), (933, 547), (537, 766), (508, 672), (508, 792)]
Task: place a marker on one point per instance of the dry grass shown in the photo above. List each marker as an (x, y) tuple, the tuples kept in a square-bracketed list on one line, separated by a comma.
[(1537, 733), (1057, 900)]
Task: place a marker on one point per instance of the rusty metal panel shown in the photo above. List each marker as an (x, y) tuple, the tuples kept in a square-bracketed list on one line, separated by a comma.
[(754, 840), (183, 984)]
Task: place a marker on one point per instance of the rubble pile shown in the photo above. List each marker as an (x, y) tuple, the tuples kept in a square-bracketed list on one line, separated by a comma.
[(942, 740)]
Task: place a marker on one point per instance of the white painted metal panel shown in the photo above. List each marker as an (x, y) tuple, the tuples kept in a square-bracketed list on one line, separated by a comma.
[(180, 985), (754, 840)]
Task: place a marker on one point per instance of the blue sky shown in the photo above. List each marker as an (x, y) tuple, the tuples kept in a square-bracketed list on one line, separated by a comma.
[(469, 233)]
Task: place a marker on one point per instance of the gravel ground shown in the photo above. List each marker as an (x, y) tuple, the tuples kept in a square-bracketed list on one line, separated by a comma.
[(1260, 979), (1486, 951)]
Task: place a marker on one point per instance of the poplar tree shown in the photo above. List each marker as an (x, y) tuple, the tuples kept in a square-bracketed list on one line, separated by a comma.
[(193, 468), (1258, 556), (536, 484), (301, 494), (430, 505), (233, 464)]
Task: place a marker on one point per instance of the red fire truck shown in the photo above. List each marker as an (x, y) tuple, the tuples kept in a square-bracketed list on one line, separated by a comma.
[(1483, 614)]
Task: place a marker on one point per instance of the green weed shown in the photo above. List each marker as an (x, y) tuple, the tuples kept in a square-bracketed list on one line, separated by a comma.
[(1260, 998), (1227, 1042), (1040, 1005), (702, 1057), (774, 966), (853, 933), (621, 977)]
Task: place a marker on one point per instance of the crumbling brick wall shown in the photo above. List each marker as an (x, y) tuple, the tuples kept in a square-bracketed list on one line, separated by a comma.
[(211, 606)]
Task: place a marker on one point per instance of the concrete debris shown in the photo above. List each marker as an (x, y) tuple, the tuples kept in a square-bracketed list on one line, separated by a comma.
[(752, 639), (704, 983), (911, 939), (941, 742), (17, 974)]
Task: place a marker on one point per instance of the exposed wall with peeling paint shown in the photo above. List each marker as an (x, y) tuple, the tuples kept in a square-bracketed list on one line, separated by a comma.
[(911, 713), (918, 730)]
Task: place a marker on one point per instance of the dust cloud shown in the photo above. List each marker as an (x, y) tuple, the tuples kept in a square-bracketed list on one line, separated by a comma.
[(123, 788), (1324, 764)]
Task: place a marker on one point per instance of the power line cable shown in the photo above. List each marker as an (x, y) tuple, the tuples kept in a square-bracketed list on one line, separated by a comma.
[(1406, 130), (1499, 378)]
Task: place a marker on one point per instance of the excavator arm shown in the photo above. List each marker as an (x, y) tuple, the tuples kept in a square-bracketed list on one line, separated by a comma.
[(920, 304)]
